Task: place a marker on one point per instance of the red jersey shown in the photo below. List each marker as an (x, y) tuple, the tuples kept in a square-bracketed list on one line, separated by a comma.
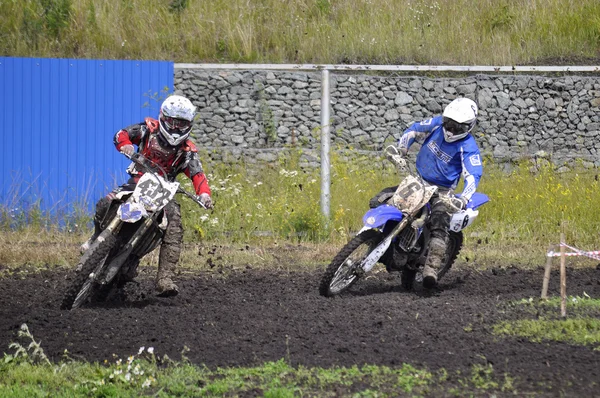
[(174, 160)]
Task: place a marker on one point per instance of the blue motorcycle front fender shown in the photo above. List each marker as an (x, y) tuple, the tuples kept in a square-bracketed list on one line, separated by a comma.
[(378, 216)]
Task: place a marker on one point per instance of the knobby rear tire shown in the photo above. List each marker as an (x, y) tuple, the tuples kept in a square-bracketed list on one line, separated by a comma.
[(91, 262), (371, 238), (455, 242)]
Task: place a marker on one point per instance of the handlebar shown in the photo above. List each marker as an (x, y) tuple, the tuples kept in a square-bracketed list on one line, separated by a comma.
[(192, 197), (154, 168), (449, 201), (145, 163), (393, 155)]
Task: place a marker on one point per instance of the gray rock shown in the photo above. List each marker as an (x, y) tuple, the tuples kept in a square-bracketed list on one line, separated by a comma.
[(402, 99)]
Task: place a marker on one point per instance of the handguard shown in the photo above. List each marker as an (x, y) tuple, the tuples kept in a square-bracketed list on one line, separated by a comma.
[(394, 156)]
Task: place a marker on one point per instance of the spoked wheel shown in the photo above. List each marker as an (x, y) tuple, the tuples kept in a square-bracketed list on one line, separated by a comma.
[(92, 264), (345, 269), (455, 242)]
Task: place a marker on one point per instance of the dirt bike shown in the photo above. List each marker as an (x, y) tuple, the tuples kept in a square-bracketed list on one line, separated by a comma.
[(134, 225), (397, 234)]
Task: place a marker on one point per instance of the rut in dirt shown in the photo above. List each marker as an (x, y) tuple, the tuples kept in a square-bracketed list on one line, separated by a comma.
[(247, 317)]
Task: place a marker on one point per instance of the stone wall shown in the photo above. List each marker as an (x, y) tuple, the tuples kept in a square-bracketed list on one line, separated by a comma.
[(253, 115)]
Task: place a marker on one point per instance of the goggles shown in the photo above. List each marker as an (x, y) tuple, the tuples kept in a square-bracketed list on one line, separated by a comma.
[(456, 128), (173, 123)]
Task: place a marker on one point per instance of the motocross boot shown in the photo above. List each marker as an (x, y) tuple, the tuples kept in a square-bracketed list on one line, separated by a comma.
[(167, 261), (165, 287), (86, 245), (169, 252), (437, 249), (101, 209)]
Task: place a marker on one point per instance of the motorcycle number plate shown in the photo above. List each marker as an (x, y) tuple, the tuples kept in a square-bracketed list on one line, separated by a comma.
[(154, 192), (409, 195), (462, 219)]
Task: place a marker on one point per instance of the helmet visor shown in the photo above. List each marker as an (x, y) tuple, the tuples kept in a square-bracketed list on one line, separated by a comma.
[(176, 124), (455, 128)]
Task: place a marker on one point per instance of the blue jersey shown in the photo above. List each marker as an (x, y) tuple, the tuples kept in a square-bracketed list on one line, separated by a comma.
[(440, 162)]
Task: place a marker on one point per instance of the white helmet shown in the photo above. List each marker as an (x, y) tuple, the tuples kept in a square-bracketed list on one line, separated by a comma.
[(459, 118), (176, 118)]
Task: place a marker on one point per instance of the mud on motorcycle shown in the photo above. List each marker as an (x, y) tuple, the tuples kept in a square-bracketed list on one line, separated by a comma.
[(397, 234), (134, 225)]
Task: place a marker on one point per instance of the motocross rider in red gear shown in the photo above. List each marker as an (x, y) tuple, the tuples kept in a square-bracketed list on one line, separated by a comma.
[(165, 142)]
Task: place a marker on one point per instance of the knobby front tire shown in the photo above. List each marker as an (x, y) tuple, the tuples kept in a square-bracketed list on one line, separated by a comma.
[(342, 272), (84, 286)]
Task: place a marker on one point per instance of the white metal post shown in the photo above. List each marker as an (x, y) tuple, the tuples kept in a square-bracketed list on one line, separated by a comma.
[(325, 139)]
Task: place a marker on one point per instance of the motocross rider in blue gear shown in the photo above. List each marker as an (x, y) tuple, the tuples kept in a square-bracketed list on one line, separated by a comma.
[(448, 151)]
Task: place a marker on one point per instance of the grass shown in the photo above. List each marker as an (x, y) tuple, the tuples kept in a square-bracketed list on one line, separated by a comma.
[(529, 205), (582, 327), (28, 373), (260, 210), (505, 32), (581, 331), (572, 302), (272, 379)]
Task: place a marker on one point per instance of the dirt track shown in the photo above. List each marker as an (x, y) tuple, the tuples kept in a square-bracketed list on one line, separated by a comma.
[(253, 316)]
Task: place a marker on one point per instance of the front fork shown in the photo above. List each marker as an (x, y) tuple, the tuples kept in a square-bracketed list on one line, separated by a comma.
[(121, 257), (114, 226), (376, 254)]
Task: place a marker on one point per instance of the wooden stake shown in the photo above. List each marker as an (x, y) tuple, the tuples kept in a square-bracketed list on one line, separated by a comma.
[(563, 278), (547, 274)]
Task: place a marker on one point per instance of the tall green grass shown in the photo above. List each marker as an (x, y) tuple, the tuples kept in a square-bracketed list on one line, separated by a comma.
[(281, 201), (304, 31), (529, 206)]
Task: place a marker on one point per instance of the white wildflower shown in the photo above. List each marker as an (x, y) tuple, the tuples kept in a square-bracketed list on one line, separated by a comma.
[(148, 382), (286, 173)]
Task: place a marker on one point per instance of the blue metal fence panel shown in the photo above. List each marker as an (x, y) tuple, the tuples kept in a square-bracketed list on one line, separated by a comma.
[(58, 118)]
